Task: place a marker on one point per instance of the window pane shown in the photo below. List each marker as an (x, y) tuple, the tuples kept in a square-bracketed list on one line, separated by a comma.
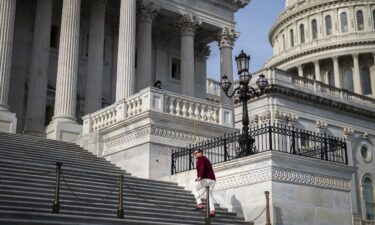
[(344, 22), (366, 80), (360, 22), (302, 33), (369, 198), (330, 78), (373, 18), (291, 38), (328, 25), (176, 69), (348, 79), (314, 27)]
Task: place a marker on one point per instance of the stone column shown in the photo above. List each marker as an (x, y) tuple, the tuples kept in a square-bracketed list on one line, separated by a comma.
[(67, 68), (148, 11), (188, 24), (126, 50), (318, 77), (94, 77), (336, 71), (357, 76), (227, 37), (8, 121), (7, 18), (37, 93), (63, 126), (300, 70)]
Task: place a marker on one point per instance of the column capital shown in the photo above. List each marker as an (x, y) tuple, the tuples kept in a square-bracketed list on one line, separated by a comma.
[(188, 23), (227, 37), (316, 62), (335, 58), (148, 10), (355, 55)]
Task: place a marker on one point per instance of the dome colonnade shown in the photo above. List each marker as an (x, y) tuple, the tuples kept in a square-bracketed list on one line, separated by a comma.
[(328, 41)]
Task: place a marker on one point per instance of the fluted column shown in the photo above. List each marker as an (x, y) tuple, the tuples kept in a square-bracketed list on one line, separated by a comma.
[(318, 76), (7, 18), (357, 76), (336, 71), (147, 12), (227, 37), (126, 50), (67, 69), (94, 76), (300, 70), (188, 24), (37, 93)]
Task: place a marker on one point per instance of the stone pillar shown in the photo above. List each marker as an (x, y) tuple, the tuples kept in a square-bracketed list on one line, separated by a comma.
[(126, 50), (8, 120), (357, 76), (227, 37), (336, 71), (37, 93), (94, 77), (7, 18), (63, 125), (188, 25), (148, 11), (300, 70), (318, 77)]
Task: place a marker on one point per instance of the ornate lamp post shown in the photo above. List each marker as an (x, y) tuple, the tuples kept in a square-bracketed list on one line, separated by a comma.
[(244, 92)]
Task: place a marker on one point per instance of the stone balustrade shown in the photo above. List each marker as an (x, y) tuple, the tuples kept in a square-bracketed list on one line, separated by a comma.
[(318, 88), (151, 99)]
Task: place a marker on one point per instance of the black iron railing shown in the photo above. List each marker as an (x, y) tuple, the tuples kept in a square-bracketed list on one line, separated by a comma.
[(267, 137)]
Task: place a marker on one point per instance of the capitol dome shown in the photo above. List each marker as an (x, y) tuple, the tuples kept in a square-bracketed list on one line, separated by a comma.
[(331, 41)]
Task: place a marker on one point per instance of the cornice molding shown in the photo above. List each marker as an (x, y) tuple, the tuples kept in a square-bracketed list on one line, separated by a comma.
[(275, 62), (282, 175), (231, 4)]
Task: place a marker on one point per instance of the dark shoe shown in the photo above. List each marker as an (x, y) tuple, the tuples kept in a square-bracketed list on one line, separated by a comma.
[(212, 213)]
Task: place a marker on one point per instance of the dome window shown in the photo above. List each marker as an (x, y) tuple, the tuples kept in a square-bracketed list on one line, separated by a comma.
[(366, 80), (344, 22), (360, 20), (328, 20), (373, 18), (302, 33), (291, 38), (314, 29), (348, 79)]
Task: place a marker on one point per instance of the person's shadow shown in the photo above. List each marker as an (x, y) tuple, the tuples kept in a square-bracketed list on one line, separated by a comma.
[(236, 206), (278, 216)]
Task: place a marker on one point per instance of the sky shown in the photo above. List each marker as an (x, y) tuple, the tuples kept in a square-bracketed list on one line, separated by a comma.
[(254, 23)]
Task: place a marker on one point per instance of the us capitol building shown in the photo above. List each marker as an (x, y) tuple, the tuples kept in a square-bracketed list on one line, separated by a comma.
[(84, 71)]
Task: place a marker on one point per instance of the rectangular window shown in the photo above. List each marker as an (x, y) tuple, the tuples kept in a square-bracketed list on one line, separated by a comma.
[(176, 69)]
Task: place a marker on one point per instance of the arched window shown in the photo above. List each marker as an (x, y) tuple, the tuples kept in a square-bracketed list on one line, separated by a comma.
[(366, 80), (283, 42), (328, 20), (368, 193), (330, 78), (314, 29), (348, 79), (373, 18), (302, 33), (291, 38), (344, 22), (360, 21)]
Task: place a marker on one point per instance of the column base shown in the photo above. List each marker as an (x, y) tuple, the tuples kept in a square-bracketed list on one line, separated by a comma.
[(8, 122), (64, 131)]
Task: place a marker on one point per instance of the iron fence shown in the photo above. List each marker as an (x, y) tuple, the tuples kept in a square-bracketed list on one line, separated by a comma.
[(267, 137)]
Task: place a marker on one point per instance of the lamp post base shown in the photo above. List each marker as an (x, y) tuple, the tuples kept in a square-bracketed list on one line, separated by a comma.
[(246, 145)]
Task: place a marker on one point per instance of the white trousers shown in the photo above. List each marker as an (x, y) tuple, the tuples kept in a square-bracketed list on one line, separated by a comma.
[(200, 188)]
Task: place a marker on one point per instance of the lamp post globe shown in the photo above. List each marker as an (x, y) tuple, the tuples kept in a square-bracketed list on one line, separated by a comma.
[(225, 83)]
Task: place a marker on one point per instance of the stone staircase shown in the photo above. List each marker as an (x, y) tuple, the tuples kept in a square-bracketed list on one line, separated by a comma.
[(89, 189)]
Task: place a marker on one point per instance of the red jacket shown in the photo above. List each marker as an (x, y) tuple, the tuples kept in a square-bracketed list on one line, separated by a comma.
[(204, 168)]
